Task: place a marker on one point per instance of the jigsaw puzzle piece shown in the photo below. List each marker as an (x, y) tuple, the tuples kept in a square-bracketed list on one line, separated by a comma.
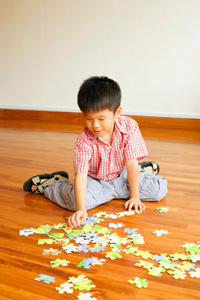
[(85, 296), (65, 287), (45, 278), (162, 209), (177, 274), (139, 283), (81, 282), (59, 262), (195, 273)]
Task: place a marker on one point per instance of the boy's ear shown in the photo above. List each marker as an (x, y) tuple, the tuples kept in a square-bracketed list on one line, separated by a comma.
[(118, 112)]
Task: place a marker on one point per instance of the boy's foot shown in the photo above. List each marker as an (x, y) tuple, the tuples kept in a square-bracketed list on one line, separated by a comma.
[(149, 166), (38, 183), (34, 187)]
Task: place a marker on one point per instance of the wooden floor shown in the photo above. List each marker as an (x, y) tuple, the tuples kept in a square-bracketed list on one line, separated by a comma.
[(28, 148)]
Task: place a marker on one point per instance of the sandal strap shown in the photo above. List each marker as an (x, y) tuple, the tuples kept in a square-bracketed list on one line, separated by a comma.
[(41, 186), (155, 166), (37, 181), (150, 167)]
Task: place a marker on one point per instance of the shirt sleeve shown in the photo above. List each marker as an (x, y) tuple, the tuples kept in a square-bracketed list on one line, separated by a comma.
[(135, 146), (82, 157)]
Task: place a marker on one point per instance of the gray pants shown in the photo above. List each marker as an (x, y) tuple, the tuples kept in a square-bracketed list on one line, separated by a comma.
[(151, 188)]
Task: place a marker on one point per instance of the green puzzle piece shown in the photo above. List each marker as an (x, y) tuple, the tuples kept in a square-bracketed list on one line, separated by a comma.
[(139, 283)]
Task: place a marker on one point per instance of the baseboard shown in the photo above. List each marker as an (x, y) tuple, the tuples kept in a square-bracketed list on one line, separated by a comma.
[(76, 118)]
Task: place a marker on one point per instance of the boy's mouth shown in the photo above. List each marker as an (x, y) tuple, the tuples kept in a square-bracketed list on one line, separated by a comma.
[(97, 131)]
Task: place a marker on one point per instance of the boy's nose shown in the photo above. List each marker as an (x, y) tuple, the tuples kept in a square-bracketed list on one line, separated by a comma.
[(95, 124)]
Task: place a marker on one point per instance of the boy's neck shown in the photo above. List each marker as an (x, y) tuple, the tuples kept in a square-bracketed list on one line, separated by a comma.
[(108, 137)]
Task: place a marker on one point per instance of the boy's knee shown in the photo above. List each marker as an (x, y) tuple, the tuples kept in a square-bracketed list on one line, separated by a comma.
[(161, 189), (152, 187)]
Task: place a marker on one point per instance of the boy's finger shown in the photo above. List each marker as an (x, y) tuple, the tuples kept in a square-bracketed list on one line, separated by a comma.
[(137, 209), (129, 206), (72, 221), (142, 207), (126, 204), (83, 219), (69, 222), (77, 220)]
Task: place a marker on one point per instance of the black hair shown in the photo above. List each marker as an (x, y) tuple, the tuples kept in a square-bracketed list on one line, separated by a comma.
[(97, 93)]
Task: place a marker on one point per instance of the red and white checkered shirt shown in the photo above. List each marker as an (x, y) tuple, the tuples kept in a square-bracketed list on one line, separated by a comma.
[(101, 160)]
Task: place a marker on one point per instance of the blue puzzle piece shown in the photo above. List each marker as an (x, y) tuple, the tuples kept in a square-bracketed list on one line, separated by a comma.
[(158, 258), (86, 263), (91, 219), (45, 278), (83, 248), (97, 249), (195, 258), (130, 231), (90, 235)]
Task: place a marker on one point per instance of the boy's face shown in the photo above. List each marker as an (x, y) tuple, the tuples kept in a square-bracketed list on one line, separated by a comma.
[(101, 123)]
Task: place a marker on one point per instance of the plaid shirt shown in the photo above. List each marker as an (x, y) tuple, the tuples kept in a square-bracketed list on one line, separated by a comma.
[(101, 160)]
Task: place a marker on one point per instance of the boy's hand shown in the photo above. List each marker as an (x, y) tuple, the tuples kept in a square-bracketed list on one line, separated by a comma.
[(77, 218), (134, 202)]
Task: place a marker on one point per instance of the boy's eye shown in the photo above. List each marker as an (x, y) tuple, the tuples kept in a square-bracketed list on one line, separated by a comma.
[(101, 119)]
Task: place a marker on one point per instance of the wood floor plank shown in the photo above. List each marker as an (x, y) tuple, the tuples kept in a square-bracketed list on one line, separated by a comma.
[(29, 148)]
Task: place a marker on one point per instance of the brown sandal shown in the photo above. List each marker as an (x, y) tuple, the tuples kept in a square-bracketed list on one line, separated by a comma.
[(50, 178)]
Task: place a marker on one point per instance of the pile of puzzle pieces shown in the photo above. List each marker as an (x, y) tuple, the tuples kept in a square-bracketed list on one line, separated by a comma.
[(91, 237)]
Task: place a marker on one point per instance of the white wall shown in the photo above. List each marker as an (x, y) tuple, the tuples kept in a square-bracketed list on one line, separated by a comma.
[(151, 47)]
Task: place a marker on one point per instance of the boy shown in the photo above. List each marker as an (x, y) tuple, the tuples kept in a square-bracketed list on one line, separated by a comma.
[(106, 158)]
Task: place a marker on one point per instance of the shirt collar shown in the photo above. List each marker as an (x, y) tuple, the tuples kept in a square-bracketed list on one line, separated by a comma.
[(89, 134), (119, 127), (92, 137)]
